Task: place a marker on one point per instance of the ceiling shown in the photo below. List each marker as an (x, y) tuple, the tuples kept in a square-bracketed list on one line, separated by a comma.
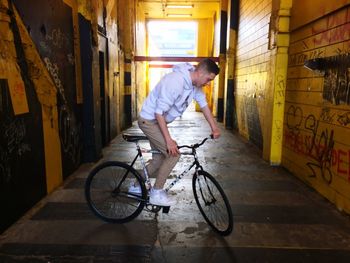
[(157, 9)]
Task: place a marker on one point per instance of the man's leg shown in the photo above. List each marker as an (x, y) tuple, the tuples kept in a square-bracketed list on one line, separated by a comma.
[(155, 136), (153, 164)]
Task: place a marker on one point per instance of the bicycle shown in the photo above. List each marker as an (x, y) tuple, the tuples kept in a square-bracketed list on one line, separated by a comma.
[(107, 190)]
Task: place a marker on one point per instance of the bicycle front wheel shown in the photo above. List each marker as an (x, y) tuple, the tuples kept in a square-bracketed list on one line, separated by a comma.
[(107, 192), (212, 202)]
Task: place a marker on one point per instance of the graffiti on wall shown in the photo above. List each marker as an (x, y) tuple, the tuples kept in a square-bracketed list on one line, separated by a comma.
[(337, 34), (279, 98), (69, 128), (344, 119), (253, 121), (336, 88), (249, 107), (310, 136), (53, 35), (12, 135), (300, 58)]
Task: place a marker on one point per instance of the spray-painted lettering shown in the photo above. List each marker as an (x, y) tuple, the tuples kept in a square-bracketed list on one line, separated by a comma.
[(308, 139)]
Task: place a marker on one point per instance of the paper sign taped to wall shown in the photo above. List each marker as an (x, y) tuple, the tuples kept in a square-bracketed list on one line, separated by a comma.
[(17, 91)]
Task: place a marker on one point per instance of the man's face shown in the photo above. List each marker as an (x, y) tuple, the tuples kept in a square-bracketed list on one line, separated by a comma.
[(204, 78)]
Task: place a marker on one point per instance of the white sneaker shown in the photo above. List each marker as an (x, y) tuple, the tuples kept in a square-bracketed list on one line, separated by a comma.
[(136, 190), (160, 197)]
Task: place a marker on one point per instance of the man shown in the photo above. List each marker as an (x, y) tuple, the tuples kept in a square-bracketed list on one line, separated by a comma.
[(167, 101)]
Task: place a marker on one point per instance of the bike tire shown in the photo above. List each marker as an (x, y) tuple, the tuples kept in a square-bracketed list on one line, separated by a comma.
[(212, 202), (109, 202)]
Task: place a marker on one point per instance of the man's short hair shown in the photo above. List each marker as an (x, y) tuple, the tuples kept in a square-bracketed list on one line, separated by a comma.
[(209, 65)]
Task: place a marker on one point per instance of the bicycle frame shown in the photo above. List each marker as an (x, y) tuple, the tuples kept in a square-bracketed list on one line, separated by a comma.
[(193, 152)]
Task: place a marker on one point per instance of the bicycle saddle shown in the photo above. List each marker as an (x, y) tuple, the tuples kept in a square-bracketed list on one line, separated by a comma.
[(134, 137)]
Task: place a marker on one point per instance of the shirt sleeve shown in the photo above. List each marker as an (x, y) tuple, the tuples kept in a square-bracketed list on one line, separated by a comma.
[(199, 96)]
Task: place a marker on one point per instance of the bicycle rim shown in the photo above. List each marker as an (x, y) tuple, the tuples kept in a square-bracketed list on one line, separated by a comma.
[(212, 203), (107, 192)]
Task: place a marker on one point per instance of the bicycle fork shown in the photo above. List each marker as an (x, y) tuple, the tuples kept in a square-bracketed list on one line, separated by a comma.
[(201, 187)]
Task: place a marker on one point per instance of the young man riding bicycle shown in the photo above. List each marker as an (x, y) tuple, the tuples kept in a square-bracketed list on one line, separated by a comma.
[(167, 101)]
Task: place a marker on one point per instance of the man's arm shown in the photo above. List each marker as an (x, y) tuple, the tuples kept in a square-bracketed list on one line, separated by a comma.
[(210, 119), (170, 143)]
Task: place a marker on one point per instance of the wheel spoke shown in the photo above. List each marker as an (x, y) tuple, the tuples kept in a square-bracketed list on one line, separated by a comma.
[(212, 203), (107, 194)]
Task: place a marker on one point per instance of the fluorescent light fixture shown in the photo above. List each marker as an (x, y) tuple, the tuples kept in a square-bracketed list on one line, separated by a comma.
[(179, 15), (179, 6)]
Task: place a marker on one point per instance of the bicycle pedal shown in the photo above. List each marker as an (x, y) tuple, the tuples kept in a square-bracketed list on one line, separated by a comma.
[(166, 209)]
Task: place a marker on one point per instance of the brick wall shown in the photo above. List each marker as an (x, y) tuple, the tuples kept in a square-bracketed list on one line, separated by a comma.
[(252, 68), (316, 144)]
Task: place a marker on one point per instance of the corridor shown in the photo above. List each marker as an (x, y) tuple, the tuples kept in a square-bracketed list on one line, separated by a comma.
[(277, 218)]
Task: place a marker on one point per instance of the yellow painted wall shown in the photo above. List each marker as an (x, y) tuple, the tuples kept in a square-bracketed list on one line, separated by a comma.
[(126, 25), (219, 82), (205, 49), (260, 73), (111, 16), (114, 67), (205, 37), (46, 93), (316, 144), (44, 85), (252, 73), (306, 11), (79, 90), (140, 50)]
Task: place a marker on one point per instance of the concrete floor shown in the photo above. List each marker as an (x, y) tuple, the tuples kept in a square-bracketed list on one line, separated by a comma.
[(277, 218)]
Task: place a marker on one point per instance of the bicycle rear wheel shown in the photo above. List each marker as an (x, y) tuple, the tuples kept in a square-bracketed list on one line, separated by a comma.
[(212, 202), (107, 192)]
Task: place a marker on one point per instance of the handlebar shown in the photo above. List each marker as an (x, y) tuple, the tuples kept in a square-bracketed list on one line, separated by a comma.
[(196, 145)]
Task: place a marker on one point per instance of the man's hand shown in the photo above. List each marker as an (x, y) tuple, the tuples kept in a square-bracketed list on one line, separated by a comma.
[(170, 143), (216, 133), (210, 119), (172, 147)]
